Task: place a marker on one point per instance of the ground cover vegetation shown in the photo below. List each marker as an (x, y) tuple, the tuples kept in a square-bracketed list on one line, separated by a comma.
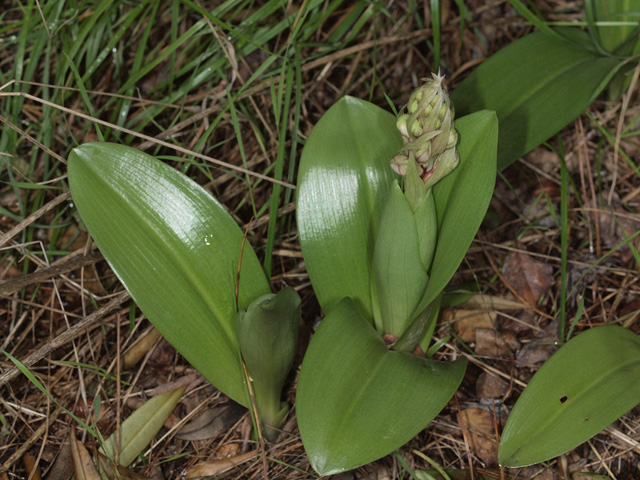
[(227, 96)]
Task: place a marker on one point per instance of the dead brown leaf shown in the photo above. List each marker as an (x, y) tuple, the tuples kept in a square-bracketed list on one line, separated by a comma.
[(490, 386), (31, 467), (62, 467), (529, 278), (377, 472), (139, 349), (542, 346), (211, 422), (616, 225), (184, 381), (83, 464), (465, 322), (490, 302), (216, 467), (229, 450), (489, 343), (481, 434)]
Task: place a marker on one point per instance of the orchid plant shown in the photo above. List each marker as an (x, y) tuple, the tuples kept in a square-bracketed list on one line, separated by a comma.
[(187, 265), (387, 209), (385, 215)]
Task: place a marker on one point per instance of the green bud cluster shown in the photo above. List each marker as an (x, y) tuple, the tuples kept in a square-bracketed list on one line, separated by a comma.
[(428, 132)]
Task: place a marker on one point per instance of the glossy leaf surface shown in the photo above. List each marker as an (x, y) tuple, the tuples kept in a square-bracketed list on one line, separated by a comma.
[(175, 249), (344, 185), (358, 401), (586, 385), (537, 85), (343, 182)]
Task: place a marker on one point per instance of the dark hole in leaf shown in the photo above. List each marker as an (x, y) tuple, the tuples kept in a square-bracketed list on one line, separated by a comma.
[(563, 399), (586, 419)]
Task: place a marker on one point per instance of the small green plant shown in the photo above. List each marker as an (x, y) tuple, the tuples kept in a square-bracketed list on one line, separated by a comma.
[(385, 216), (185, 262)]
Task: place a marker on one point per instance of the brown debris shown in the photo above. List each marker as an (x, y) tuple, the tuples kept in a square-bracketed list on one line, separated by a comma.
[(491, 386), (540, 348), (528, 278), (211, 423), (479, 424), (216, 467), (489, 343), (467, 322)]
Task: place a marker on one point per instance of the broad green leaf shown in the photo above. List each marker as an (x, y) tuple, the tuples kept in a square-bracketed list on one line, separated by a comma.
[(462, 198), (138, 430), (343, 183), (342, 189), (537, 85), (586, 385), (175, 249), (358, 401)]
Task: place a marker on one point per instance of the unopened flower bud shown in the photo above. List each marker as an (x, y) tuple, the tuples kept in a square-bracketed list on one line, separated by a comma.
[(401, 125), (443, 165), (399, 164), (428, 132)]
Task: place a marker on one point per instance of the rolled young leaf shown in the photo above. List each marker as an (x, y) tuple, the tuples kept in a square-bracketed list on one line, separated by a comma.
[(343, 182), (268, 337), (400, 277), (537, 85), (586, 385), (175, 249), (358, 401)]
